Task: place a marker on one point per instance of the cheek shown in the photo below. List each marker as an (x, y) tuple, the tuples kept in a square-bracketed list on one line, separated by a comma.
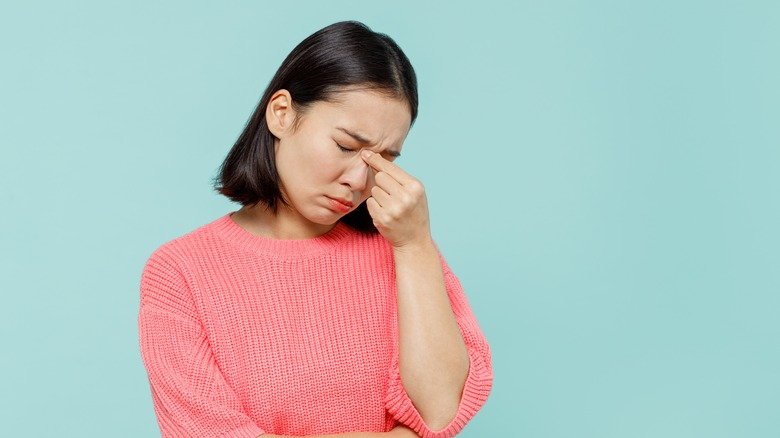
[(322, 166), (328, 167)]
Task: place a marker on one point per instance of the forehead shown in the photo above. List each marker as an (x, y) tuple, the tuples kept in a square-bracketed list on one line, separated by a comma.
[(377, 116)]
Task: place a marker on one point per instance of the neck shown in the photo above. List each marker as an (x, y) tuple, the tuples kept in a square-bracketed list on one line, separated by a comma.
[(286, 224)]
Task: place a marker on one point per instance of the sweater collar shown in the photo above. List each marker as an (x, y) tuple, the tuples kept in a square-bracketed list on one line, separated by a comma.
[(231, 231)]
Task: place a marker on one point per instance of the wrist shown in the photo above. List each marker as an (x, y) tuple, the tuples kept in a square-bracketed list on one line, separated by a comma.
[(423, 243)]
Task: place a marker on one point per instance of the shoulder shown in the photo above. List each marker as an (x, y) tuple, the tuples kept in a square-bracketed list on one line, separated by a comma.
[(179, 250)]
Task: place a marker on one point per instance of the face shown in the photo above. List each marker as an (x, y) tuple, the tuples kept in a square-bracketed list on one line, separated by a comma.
[(319, 161)]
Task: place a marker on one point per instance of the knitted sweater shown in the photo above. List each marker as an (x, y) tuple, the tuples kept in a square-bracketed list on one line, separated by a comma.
[(242, 335)]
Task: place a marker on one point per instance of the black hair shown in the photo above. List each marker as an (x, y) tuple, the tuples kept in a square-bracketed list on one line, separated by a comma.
[(339, 56)]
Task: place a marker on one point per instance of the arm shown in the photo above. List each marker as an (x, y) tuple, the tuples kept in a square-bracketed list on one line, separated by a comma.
[(434, 361), (191, 396), (339, 435), (443, 373)]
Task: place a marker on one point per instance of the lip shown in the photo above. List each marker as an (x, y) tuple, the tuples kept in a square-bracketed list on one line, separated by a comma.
[(343, 201), (341, 204)]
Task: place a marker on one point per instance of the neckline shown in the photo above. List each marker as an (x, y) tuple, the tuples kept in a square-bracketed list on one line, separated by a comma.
[(231, 231)]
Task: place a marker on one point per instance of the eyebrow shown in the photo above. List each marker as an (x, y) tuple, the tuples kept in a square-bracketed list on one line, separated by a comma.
[(360, 139)]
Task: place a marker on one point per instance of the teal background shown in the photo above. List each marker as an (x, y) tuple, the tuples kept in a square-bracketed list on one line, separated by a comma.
[(602, 176)]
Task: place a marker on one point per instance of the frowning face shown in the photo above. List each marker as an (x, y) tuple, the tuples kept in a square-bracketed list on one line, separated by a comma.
[(319, 160)]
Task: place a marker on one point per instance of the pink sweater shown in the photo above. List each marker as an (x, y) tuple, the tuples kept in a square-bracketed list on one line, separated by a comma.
[(243, 335)]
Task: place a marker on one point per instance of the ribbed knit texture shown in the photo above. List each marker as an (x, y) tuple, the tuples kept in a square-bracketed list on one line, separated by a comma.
[(243, 335)]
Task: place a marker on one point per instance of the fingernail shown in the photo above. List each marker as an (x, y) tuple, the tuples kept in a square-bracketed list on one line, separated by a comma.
[(366, 153)]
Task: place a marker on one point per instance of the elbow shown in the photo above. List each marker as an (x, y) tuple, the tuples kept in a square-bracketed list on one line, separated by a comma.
[(447, 407), (438, 420), (438, 424)]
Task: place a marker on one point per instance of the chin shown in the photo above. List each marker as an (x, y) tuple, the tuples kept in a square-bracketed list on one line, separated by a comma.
[(329, 219)]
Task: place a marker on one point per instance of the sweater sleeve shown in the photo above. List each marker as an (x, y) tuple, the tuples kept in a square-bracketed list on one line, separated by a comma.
[(479, 381), (191, 397)]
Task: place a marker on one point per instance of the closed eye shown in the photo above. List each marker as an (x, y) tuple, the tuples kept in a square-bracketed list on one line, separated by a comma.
[(343, 149), (346, 151)]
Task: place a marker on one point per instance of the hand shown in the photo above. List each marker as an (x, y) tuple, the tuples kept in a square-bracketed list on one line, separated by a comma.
[(401, 431), (398, 205)]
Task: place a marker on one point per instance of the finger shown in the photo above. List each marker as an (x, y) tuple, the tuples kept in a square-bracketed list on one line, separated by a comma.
[(379, 163), (373, 208), (382, 197), (388, 183)]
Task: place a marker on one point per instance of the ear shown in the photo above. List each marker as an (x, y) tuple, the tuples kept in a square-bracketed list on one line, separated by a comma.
[(279, 114)]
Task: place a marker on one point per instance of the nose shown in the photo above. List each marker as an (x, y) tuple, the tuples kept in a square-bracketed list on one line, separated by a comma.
[(358, 176)]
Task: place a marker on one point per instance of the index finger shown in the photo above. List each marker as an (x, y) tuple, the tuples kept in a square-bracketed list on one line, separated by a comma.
[(379, 163)]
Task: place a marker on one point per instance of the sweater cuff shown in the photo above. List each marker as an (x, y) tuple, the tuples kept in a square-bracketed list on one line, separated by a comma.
[(475, 392)]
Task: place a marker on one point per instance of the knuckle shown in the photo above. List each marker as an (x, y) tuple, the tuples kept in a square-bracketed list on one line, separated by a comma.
[(416, 187)]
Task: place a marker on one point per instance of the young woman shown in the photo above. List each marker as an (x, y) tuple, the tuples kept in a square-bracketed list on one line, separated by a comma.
[(323, 306)]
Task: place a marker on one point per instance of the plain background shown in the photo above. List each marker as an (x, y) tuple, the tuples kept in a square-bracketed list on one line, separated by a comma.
[(602, 176)]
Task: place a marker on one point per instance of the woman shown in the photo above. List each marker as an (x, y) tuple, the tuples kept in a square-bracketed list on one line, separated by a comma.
[(323, 305)]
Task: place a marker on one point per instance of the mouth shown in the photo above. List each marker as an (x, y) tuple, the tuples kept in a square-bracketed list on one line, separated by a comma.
[(340, 204)]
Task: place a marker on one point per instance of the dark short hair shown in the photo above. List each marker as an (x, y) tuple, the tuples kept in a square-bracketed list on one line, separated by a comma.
[(339, 56)]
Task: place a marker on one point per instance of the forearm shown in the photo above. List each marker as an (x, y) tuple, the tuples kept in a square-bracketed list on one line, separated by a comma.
[(339, 435), (433, 358)]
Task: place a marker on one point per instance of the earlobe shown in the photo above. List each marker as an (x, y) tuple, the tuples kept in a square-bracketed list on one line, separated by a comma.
[(279, 113)]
